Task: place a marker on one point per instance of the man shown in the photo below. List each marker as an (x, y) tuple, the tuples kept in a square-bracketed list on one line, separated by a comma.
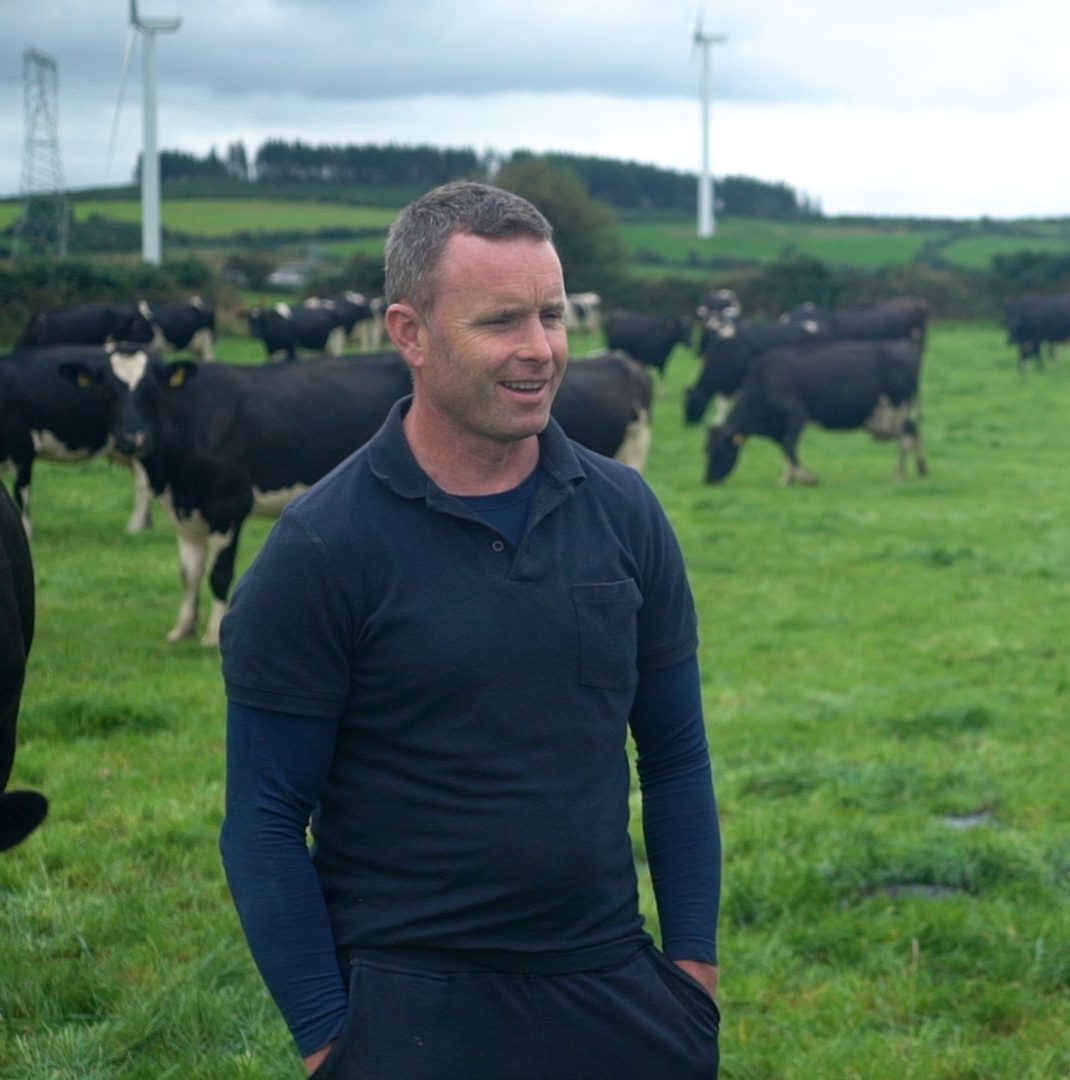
[(437, 656)]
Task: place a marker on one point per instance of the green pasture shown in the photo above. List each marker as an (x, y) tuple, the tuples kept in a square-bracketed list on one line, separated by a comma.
[(978, 251), (886, 693), (656, 243), (225, 217), (758, 240)]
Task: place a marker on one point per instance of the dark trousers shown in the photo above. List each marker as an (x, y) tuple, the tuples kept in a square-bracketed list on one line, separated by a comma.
[(430, 1019)]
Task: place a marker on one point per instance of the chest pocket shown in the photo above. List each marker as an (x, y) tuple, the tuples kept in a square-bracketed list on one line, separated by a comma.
[(606, 622)]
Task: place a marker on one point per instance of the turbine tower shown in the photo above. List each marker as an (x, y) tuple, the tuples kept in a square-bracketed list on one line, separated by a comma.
[(150, 160), (705, 180)]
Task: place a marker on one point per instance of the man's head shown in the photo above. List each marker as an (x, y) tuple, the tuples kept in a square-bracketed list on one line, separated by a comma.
[(418, 237), (477, 311)]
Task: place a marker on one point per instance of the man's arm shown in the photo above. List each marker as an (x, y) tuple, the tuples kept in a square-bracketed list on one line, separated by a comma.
[(680, 824), (276, 765)]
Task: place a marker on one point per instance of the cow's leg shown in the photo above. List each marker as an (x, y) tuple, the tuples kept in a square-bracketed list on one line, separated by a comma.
[(910, 443), (794, 472), (635, 448), (222, 550), (336, 342), (23, 477), (202, 344), (141, 515), (192, 536)]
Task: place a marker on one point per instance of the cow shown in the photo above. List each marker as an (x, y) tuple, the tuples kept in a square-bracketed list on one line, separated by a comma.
[(899, 317), (583, 312), (88, 324), (1035, 321), (717, 309), (220, 442), (649, 339), (283, 329), (840, 385), (184, 324), (356, 314), (727, 352), (43, 416), (20, 811), (604, 402)]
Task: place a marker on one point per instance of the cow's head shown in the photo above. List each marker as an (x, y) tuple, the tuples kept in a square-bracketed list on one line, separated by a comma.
[(132, 380), (722, 452), (137, 326)]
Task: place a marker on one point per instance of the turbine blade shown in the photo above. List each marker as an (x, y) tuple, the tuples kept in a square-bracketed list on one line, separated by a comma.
[(119, 100)]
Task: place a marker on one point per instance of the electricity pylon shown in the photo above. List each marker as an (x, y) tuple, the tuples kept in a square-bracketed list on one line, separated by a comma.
[(43, 226)]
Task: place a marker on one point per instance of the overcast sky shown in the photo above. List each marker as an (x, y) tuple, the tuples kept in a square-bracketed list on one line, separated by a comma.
[(928, 107)]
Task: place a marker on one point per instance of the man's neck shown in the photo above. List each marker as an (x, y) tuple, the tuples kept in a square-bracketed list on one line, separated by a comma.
[(464, 464)]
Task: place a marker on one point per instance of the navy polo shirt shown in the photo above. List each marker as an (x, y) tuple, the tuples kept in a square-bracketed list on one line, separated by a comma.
[(478, 794)]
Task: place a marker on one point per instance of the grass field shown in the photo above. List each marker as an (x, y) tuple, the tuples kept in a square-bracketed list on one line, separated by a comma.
[(883, 667), (224, 217), (673, 241), (755, 240)]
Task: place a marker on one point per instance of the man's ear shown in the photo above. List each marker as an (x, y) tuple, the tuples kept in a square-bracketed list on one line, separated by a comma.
[(406, 330)]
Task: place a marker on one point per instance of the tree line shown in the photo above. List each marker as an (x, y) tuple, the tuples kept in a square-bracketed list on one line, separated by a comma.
[(623, 185)]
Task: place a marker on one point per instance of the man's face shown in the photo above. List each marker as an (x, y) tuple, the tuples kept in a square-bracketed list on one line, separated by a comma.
[(496, 342)]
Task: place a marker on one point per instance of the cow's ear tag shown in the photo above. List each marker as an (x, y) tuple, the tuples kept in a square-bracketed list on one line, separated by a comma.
[(84, 380), (739, 439), (178, 377)]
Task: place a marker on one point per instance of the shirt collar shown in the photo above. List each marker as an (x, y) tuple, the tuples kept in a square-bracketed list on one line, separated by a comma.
[(392, 461)]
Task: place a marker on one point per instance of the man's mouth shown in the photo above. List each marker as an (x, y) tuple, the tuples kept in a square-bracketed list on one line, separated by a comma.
[(524, 386)]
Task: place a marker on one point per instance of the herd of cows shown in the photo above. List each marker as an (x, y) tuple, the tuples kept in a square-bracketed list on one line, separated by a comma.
[(216, 442)]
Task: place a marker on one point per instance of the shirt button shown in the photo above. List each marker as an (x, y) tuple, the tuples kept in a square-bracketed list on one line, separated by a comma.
[(497, 546)]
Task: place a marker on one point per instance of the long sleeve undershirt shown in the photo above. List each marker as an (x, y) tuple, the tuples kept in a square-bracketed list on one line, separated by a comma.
[(277, 763)]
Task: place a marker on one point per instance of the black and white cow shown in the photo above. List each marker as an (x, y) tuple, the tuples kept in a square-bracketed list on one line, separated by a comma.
[(43, 416), (583, 312), (20, 811), (1035, 321), (727, 350), (89, 324), (718, 308), (284, 329), (604, 402), (185, 324), (355, 312), (898, 317), (221, 442), (647, 338), (840, 385)]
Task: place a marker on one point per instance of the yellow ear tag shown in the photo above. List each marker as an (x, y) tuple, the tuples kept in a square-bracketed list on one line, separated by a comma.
[(84, 380), (739, 439), (178, 377)]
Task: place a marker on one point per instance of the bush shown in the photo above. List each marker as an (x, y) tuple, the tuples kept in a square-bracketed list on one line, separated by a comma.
[(30, 285)]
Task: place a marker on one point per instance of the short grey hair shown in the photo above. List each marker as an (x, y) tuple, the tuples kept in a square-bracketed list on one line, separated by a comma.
[(419, 235)]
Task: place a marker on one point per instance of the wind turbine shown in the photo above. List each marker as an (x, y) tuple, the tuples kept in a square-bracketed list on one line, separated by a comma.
[(150, 160), (705, 180)]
